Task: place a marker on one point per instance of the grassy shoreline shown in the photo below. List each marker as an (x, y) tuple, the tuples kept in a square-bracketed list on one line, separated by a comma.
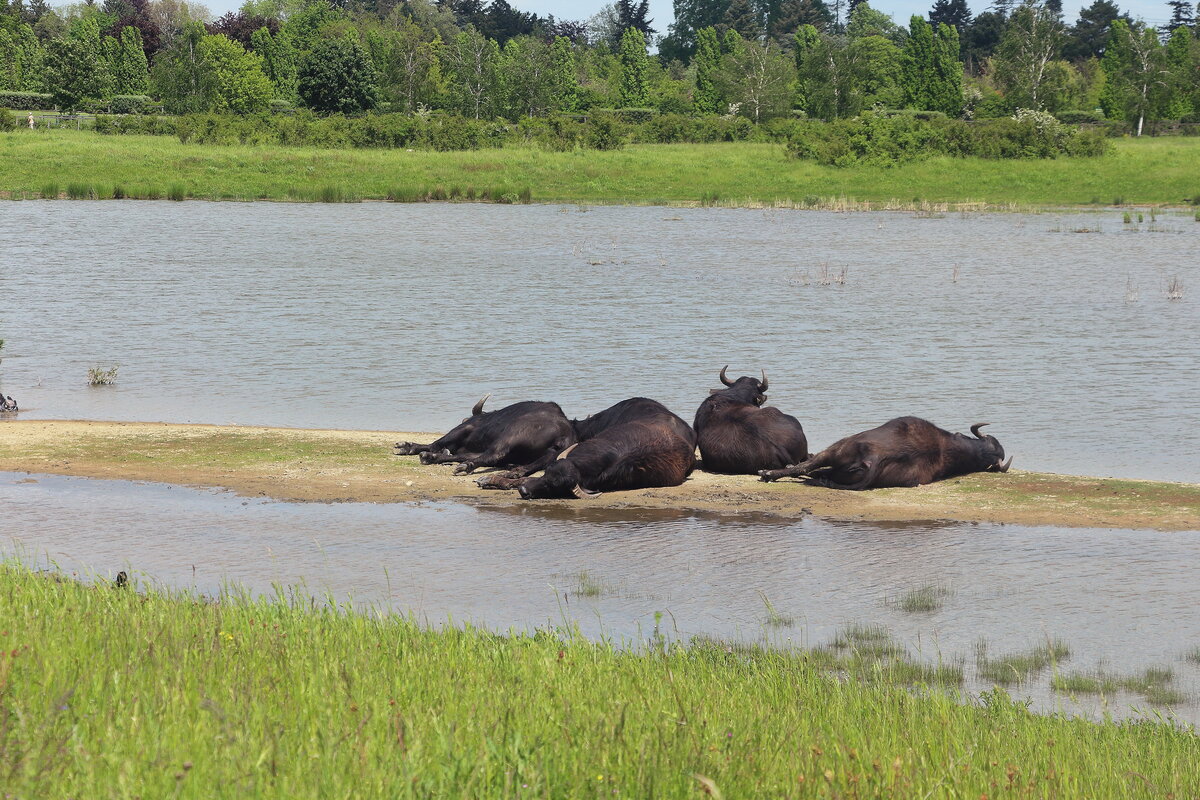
[(357, 466), (84, 164), (112, 692)]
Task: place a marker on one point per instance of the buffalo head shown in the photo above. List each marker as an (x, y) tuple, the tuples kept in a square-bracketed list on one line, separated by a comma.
[(993, 450), (751, 390)]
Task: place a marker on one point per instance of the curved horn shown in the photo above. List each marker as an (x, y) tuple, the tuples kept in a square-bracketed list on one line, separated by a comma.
[(762, 387), (566, 452), (477, 409), (975, 428), (725, 380), (581, 492), (1004, 467)]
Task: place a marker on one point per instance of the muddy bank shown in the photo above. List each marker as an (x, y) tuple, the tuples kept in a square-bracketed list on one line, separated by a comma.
[(358, 466)]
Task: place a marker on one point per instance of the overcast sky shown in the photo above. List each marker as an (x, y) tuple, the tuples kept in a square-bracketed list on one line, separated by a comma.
[(1151, 11)]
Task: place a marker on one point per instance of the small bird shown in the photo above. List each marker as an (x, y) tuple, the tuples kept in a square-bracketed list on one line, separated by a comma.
[(8, 404), (122, 579)]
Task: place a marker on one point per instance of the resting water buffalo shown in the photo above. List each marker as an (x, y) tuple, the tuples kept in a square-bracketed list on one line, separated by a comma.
[(636, 444), (908, 451), (525, 436), (737, 436), (8, 404)]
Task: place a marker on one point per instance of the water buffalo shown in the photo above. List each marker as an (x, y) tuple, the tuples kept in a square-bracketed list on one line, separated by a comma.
[(636, 444), (907, 451), (525, 436), (737, 436), (8, 404)]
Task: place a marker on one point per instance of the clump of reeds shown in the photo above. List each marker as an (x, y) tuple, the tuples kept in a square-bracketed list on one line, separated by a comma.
[(1127, 218), (49, 191), (1193, 655), (81, 191), (1021, 666), (587, 585), (176, 191), (1131, 291), (1152, 683), (331, 194), (923, 599), (708, 199), (774, 618), (1088, 229), (1175, 288), (102, 376), (867, 640), (119, 192), (827, 276), (954, 272)]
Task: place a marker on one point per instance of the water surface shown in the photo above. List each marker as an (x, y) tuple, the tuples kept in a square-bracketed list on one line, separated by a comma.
[(385, 316), (1122, 600)]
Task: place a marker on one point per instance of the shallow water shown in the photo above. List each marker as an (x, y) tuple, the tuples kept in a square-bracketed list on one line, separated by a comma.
[(398, 317), (1124, 600)]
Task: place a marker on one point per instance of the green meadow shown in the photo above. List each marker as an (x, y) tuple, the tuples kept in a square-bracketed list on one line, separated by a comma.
[(110, 692), (83, 164)]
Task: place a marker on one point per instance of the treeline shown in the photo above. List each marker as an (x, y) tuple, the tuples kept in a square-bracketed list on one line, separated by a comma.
[(755, 59)]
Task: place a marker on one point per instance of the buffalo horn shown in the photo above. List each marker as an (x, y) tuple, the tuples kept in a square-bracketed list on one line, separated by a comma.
[(762, 387), (1004, 467), (478, 408), (725, 380), (975, 428), (581, 492), (566, 452)]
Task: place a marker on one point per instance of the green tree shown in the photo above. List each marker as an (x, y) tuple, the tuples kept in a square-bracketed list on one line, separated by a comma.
[(337, 76), (279, 61), (178, 76), (1022, 65), (22, 59), (527, 70), (1183, 68), (76, 69), (1136, 77), (473, 61), (866, 21), (1089, 35), (235, 78), (564, 76), (131, 73), (757, 79), (706, 98), (635, 69), (407, 62), (742, 17), (930, 72)]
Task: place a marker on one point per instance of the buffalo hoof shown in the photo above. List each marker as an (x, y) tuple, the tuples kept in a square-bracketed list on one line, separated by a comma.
[(499, 480), (465, 468), (767, 475), (430, 457), (406, 448)]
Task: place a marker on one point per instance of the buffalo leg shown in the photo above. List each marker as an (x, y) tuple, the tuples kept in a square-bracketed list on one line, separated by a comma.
[(443, 457), (410, 448), (794, 471), (512, 479)]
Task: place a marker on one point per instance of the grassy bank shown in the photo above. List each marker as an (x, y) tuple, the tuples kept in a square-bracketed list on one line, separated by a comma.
[(105, 692), (326, 465), (84, 164)]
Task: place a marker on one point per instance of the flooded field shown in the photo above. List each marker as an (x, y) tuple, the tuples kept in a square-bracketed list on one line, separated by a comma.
[(1054, 327), (1122, 601)]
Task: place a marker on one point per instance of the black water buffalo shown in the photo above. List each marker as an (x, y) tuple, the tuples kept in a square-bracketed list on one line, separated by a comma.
[(525, 436), (907, 451), (8, 404), (737, 436), (636, 444)]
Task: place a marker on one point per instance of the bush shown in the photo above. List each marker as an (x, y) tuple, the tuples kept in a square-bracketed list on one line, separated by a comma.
[(895, 139), (604, 132), (8, 120), (1079, 117), (131, 104), (26, 101), (635, 116)]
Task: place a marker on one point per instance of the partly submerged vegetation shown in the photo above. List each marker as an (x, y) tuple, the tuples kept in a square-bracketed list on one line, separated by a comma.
[(45, 163), (161, 694)]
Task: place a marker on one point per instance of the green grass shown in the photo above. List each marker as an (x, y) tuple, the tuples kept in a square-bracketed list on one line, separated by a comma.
[(1021, 666), (922, 600), (109, 693), (1152, 683), (1146, 172)]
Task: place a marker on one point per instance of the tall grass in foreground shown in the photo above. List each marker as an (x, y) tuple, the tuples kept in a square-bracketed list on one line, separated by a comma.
[(105, 692)]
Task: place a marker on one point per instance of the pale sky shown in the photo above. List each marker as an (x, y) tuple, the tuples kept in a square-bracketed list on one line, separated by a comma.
[(1153, 13)]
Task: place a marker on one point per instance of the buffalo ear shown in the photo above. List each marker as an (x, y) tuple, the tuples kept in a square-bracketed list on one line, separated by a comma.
[(566, 452)]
